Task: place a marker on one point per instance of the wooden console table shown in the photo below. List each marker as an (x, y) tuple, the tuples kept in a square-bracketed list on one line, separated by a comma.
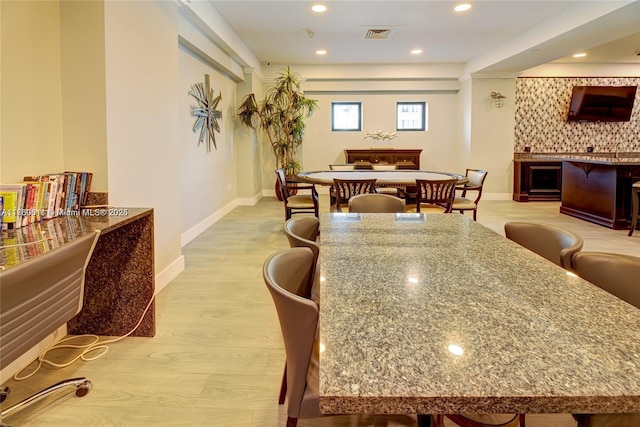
[(120, 278), (403, 158)]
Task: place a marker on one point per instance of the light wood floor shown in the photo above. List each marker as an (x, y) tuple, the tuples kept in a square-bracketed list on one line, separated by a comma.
[(217, 357)]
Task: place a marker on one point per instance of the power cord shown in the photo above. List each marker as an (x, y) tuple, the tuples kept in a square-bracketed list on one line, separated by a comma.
[(93, 346)]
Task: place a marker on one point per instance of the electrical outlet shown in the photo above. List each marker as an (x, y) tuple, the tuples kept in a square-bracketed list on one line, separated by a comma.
[(590, 149), (228, 187), (527, 149)]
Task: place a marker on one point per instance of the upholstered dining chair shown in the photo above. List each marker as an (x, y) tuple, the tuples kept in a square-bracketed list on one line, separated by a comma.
[(302, 232), (295, 202), (338, 167), (553, 243), (394, 191), (619, 275), (376, 203), (37, 297), (506, 420), (635, 206), (342, 167), (347, 188), (463, 203), (435, 196), (286, 275)]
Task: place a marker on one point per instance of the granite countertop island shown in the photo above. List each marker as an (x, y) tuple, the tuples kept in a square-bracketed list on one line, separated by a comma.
[(438, 314)]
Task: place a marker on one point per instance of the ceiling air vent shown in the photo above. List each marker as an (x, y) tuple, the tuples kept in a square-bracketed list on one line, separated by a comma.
[(378, 34)]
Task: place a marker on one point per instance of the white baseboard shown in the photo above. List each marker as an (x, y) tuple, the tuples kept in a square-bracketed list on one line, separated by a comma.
[(250, 201), (195, 231), (168, 274)]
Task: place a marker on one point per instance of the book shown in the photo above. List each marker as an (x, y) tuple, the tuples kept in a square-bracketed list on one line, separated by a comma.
[(9, 208), (21, 194), (81, 188), (36, 200)]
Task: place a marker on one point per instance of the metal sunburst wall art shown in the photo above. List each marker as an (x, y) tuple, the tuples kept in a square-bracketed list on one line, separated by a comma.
[(206, 114)]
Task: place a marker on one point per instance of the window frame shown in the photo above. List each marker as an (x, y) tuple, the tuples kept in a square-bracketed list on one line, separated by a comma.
[(335, 104), (423, 127)]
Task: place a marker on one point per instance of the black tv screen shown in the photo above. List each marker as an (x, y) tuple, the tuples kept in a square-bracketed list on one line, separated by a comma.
[(601, 103)]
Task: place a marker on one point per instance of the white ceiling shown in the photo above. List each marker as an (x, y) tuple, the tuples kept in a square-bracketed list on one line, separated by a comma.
[(288, 32)]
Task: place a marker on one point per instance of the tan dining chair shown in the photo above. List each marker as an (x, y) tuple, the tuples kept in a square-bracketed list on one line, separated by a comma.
[(553, 243), (394, 191), (302, 232), (435, 196), (619, 275), (342, 167), (482, 420), (376, 203), (286, 275), (635, 206), (463, 203), (297, 198), (37, 297), (347, 188), (338, 167)]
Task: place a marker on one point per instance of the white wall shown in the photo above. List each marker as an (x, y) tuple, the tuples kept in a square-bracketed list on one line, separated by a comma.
[(83, 90), (492, 135), (31, 110), (207, 179), (323, 146), (142, 93)]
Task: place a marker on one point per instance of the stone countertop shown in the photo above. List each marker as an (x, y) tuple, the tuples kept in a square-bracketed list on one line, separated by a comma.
[(39, 237), (597, 158), (398, 291)]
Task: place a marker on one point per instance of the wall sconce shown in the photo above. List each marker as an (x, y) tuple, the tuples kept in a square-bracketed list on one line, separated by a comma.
[(498, 99)]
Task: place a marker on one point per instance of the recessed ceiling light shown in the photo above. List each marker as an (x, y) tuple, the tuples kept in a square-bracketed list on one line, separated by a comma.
[(462, 7), (580, 55), (416, 51), (321, 52), (319, 8)]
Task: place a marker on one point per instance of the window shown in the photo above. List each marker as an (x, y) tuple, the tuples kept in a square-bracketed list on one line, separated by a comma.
[(411, 116), (346, 116)]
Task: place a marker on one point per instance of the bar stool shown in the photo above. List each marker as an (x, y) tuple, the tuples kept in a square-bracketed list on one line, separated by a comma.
[(635, 202)]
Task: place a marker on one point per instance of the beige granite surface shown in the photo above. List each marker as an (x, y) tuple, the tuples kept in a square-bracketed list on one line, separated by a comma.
[(398, 290)]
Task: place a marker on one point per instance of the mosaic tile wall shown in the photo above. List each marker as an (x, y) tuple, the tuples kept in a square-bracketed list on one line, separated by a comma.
[(541, 123)]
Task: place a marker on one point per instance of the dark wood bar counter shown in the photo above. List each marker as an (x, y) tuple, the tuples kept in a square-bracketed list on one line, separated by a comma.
[(120, 278), (597, 188)]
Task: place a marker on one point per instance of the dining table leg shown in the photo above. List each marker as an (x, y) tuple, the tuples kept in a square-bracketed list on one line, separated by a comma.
[(426, 420)]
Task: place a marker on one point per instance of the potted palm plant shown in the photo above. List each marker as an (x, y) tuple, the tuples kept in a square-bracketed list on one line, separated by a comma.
[(280, 116)]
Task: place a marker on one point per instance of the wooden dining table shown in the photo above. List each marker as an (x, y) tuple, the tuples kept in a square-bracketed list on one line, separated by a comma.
[(435, 313)]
